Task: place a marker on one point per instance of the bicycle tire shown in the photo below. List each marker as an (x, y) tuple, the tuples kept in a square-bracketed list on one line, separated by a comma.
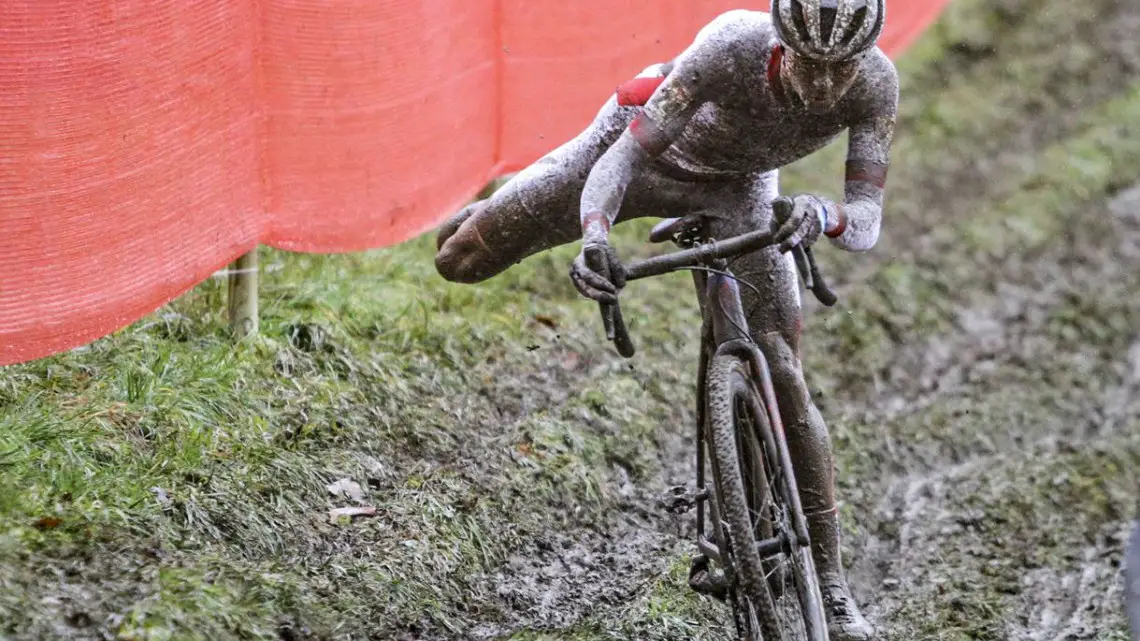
[(743, 459)]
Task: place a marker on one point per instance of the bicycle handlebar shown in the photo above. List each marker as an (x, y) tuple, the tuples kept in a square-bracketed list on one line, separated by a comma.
[(728, 248)]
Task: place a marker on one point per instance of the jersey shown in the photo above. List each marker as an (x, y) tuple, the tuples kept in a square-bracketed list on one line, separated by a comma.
[(723, 112)]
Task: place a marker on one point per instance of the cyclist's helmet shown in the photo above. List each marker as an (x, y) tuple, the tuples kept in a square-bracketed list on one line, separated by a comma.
[(830, 30)]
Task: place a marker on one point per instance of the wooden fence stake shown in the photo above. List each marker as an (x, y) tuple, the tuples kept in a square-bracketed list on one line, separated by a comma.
[(243, 295)]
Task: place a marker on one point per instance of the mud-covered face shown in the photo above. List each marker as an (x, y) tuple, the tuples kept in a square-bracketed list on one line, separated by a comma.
[(819, 84)]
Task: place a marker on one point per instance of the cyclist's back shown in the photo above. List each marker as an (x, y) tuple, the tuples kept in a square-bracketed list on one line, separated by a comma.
[(751, 124)]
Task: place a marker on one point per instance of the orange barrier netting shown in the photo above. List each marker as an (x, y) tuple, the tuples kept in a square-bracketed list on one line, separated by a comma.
[(147, 143)]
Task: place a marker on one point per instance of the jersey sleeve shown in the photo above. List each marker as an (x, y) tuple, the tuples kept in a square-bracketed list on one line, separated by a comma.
[(691, 83), (856, 228)]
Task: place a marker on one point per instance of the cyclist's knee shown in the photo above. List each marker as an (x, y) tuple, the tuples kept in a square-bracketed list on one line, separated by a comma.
[(452, 225), (784, 366), (463, 256), (780, 353)]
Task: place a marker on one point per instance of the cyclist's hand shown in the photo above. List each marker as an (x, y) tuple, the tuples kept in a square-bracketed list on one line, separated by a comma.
[(597, 272), (799, 220)]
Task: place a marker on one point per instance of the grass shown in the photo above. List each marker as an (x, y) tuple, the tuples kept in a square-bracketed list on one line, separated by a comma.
[(165, 483), (191, 474)]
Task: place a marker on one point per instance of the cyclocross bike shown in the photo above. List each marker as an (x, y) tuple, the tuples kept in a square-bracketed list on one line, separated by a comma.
[(752, 536)]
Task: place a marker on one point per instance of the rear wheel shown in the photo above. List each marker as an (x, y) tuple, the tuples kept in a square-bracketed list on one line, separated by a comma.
[(774, 587)]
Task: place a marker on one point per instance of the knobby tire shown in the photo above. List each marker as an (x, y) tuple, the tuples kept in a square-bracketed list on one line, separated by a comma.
[(730, 392)]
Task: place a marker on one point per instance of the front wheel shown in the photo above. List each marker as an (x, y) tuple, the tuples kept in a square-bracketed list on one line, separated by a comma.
[(764, 558)]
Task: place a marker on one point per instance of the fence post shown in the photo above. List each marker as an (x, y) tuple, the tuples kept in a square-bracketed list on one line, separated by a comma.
[(243, 295)]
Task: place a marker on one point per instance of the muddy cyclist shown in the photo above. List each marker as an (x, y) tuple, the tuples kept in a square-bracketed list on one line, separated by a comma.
[(707, 134)]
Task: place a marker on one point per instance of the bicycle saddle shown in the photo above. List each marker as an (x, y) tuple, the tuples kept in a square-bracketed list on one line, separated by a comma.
[(670, 228)]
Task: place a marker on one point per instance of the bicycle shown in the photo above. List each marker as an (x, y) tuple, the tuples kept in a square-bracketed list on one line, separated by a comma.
[(757, 525)]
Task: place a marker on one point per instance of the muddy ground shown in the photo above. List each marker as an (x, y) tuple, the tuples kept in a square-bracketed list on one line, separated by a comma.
[(988, 445), (980, 376)]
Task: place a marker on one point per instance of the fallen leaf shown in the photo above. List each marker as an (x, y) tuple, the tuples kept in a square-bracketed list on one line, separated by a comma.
[(347, 488), (335, 514), (48, 522)]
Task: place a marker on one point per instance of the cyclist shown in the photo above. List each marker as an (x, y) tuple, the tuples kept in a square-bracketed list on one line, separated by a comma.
[(754, 92)]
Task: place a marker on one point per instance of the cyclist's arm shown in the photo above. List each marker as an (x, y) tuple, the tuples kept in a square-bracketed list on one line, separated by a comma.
[(696, 72), (854, 224)]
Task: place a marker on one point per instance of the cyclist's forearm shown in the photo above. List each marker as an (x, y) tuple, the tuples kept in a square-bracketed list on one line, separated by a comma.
[(648, 136), (605, 186), (664, 118), (858, 227), (854, 224)]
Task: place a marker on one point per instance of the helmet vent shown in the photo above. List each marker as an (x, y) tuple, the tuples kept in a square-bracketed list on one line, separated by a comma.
[(827, 17), (798, 17), (857, 22)]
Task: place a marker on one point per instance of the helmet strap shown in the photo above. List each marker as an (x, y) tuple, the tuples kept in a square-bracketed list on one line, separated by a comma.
[(775, 81)]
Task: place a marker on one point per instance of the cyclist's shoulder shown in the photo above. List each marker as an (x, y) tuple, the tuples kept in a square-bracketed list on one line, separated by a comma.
[(878, 65), (876, 92), (739, 32)]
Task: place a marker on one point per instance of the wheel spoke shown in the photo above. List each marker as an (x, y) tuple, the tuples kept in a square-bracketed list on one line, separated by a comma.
[(772, 586)]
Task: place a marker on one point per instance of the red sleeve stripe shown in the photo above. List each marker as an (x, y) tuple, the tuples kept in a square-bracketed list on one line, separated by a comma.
[(841, 224), (649, 135), (637, 92), (596, 217), (866, 171)]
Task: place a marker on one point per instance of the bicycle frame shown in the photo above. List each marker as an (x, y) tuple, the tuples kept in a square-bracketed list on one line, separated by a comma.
[(727, 345), (718, 294), (724, 326)]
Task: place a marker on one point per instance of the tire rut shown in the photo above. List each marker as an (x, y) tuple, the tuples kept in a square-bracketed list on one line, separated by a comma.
[(915, 517)]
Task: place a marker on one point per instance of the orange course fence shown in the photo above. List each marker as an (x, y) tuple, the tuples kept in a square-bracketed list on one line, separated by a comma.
[(144, 144)]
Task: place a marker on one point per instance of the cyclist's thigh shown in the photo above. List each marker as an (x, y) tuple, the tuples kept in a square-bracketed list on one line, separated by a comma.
[(775, 320), (773, 307), (535, 210), (776, 310)]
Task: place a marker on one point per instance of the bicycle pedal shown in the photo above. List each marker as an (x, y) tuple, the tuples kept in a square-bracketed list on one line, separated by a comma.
[(707, 581), (679, 499)]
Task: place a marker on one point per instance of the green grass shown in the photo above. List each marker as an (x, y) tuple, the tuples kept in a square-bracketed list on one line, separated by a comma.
[(368, 366)]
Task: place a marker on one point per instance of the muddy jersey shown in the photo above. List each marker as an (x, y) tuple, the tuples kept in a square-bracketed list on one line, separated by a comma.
[(723, 112)]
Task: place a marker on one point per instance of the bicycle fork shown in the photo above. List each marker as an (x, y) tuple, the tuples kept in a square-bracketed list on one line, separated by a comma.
[(723, 312), (723, 322)]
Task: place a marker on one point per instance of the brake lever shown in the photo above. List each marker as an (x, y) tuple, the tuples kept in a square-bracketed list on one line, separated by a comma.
[(611, 312), (799, 254), (818, 287), (621, 339)]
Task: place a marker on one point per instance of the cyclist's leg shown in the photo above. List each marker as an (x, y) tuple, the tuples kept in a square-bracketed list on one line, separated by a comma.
[(775, 319), (537, 209)]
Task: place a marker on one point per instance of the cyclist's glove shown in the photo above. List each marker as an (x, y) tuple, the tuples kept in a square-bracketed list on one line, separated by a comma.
[(800, 219), (597, 272)]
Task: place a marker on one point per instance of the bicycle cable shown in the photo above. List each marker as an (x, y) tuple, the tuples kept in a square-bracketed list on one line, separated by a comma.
[(734, 277)]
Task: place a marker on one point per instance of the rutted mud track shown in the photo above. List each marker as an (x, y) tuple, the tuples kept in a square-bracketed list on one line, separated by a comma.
[(976, 427), (1006, 348)]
